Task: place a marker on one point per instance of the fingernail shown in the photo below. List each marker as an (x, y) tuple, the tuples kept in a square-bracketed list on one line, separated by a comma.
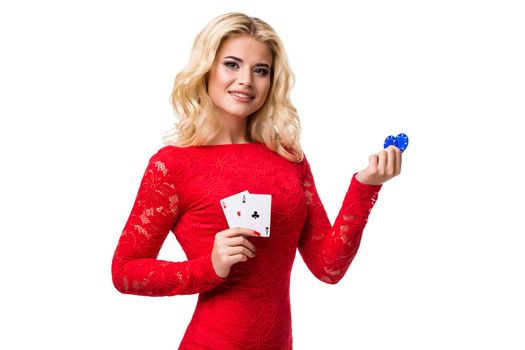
[(257, 233)]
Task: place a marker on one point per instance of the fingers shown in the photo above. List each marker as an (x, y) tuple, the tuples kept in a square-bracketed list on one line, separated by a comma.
[(389, 162), (382, 162), (238, 258), (241, 241), (238, 249), (232, 251), (235, 238), (399, 158), (231, 247), (239, 231), (373, 161), (393, 162), (382, 166)]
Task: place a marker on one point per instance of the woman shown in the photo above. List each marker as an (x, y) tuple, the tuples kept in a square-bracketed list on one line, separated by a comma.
[(238, 131)]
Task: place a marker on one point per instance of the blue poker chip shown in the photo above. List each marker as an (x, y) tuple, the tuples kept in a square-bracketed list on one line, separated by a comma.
[(389, 141), (400, 141)]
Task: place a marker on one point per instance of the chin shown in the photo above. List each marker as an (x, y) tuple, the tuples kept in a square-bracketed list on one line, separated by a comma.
[(243, 115)]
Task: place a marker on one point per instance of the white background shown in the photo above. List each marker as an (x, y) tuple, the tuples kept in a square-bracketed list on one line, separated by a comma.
[(84, 90)]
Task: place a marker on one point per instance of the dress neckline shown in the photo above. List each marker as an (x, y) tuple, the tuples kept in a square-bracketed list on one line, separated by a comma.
[(231, 144)]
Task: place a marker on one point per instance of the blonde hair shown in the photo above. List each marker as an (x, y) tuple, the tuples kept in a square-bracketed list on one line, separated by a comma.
[(275, 124)]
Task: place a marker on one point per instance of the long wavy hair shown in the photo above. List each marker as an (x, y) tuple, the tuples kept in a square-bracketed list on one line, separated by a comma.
[(275, 124)]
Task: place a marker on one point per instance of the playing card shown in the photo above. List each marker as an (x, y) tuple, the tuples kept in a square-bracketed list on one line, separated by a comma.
[(232, 207), (256, 214), (248, 210)]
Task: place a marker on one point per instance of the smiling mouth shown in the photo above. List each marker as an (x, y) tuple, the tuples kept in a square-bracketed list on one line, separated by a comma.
[(242, 96)]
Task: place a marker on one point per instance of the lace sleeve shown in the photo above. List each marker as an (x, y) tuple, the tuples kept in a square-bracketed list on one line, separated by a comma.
[(328, 250), (135, 268)]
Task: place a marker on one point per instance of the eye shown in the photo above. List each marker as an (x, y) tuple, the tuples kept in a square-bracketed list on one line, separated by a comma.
[(262, 71), (231, 64)]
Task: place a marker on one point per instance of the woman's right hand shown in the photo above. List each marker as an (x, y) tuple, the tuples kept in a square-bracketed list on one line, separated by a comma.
[(230, 247)]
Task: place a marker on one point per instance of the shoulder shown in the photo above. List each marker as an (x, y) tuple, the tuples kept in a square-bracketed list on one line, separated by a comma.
[(303, 163), (171, 160), (298, 164), (169, 151)]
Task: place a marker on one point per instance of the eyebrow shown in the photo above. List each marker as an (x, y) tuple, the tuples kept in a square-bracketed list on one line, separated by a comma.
[(240, 60)]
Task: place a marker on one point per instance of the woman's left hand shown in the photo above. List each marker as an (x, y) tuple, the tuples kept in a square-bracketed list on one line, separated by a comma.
[(382, 166)]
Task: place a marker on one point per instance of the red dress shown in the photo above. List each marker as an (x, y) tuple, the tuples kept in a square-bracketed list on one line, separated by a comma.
[(250, 308)]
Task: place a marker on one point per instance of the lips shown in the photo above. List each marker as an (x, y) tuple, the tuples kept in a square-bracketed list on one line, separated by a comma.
[(241, 94)]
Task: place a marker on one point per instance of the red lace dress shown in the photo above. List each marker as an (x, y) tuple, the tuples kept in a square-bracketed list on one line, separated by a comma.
[(250, 308)]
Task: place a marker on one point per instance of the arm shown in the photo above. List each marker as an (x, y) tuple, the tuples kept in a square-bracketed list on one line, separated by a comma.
[(328, 250), (135, 268)]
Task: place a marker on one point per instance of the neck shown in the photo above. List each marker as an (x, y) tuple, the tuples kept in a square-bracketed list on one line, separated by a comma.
[(232, 132), (227, 139)]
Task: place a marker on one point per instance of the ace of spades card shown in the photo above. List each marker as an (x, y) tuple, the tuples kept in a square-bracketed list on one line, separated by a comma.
[(248, 210)]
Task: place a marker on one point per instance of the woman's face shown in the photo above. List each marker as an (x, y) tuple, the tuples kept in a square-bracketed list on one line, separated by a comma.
[(239, 79)]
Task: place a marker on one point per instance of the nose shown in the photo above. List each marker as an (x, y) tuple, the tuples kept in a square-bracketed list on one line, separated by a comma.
[(245, 78)]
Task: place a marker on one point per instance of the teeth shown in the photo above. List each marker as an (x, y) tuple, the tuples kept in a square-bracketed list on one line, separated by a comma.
[(240, 95)]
